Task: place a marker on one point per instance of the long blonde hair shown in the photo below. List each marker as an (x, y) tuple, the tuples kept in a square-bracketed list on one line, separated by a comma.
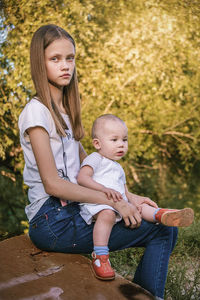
[(42, 38)]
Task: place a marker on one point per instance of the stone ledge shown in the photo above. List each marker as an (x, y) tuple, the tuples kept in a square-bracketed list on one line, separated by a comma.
[(30, 274)]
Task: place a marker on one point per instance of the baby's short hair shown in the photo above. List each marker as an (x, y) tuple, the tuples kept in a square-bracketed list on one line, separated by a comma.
[(102, 118)]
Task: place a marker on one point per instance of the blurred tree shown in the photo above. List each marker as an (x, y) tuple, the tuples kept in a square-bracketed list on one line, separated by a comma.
[(137, 59)]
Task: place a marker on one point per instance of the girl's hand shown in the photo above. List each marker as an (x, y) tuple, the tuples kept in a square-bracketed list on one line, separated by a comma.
[(129, 213), (112, 194), (138, 200)]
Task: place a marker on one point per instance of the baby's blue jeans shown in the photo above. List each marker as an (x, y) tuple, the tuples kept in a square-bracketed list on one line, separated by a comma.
[(61, 229)]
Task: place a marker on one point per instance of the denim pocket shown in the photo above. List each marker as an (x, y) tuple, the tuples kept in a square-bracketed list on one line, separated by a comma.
[(59, 221), (40, 233), (54, 227)]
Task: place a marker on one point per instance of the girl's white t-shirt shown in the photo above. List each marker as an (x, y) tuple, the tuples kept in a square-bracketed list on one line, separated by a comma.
[(37, 114)]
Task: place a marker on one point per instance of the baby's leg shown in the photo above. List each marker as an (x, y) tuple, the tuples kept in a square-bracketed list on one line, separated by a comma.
[(103, 226), (148, 212), (169, 217), (101, 267)]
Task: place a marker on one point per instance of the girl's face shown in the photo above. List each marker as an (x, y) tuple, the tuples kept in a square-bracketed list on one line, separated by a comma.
[(60, 62)]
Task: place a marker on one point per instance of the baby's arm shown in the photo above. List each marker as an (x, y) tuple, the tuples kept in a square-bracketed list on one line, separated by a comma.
[(85, 179)]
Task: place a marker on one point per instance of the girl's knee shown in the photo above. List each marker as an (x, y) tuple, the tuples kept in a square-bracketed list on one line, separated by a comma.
[(170, 234)]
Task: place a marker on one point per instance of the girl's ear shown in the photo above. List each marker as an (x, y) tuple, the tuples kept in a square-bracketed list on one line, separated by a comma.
[(96, 143)]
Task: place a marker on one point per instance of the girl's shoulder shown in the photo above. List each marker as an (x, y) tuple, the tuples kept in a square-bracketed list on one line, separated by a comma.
[(35, 114), (35, 104), (35, 109)]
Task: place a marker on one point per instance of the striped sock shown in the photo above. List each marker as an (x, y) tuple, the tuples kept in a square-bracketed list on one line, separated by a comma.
[(101, 250), (154, 215)]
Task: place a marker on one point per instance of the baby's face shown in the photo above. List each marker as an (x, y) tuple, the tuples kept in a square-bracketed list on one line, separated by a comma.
[(113, 139)]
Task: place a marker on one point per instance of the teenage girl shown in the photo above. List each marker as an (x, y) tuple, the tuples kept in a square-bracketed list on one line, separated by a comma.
[(50, 133)]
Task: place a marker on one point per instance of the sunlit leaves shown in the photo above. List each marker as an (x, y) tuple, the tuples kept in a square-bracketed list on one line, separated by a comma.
[(137, 59)]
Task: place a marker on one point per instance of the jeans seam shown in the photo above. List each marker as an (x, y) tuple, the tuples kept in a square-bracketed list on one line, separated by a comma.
[(50, 230), (157, 282)]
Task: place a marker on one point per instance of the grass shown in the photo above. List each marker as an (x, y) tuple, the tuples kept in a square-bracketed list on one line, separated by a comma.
[(183, 281)]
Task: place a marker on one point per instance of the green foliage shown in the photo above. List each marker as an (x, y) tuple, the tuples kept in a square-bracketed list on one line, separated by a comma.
[(137, 59), (12, 200)]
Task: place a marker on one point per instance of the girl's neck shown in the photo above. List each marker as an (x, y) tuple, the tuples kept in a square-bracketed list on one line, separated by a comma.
[(57, 95)]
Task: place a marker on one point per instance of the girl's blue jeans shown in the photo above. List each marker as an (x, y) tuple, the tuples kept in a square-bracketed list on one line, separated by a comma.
[(61, 229)]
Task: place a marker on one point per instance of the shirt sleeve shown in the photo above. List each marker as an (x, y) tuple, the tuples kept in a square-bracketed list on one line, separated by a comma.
[(123, 175), (93, 160), (34, 114)]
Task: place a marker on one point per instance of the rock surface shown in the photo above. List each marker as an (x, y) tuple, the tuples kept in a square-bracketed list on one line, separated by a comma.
[(26, 273)]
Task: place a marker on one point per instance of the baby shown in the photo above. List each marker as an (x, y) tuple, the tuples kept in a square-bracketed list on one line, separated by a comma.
[(101, 172)]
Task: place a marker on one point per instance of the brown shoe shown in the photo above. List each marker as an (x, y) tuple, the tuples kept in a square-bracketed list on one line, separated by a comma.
[(175, 217)]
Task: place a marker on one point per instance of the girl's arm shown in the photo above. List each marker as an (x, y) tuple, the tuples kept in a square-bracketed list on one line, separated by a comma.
[(138, 200), (84, 178), (63, 189)]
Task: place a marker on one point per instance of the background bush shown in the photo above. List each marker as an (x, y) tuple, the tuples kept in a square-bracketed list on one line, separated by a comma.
[(137, 59)]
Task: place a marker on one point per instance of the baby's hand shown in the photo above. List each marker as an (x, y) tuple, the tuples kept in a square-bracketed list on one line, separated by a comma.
[(112, 194)]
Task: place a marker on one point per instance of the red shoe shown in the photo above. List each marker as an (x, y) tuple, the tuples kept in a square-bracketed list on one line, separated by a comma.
[(101, 267), (175, 217)]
